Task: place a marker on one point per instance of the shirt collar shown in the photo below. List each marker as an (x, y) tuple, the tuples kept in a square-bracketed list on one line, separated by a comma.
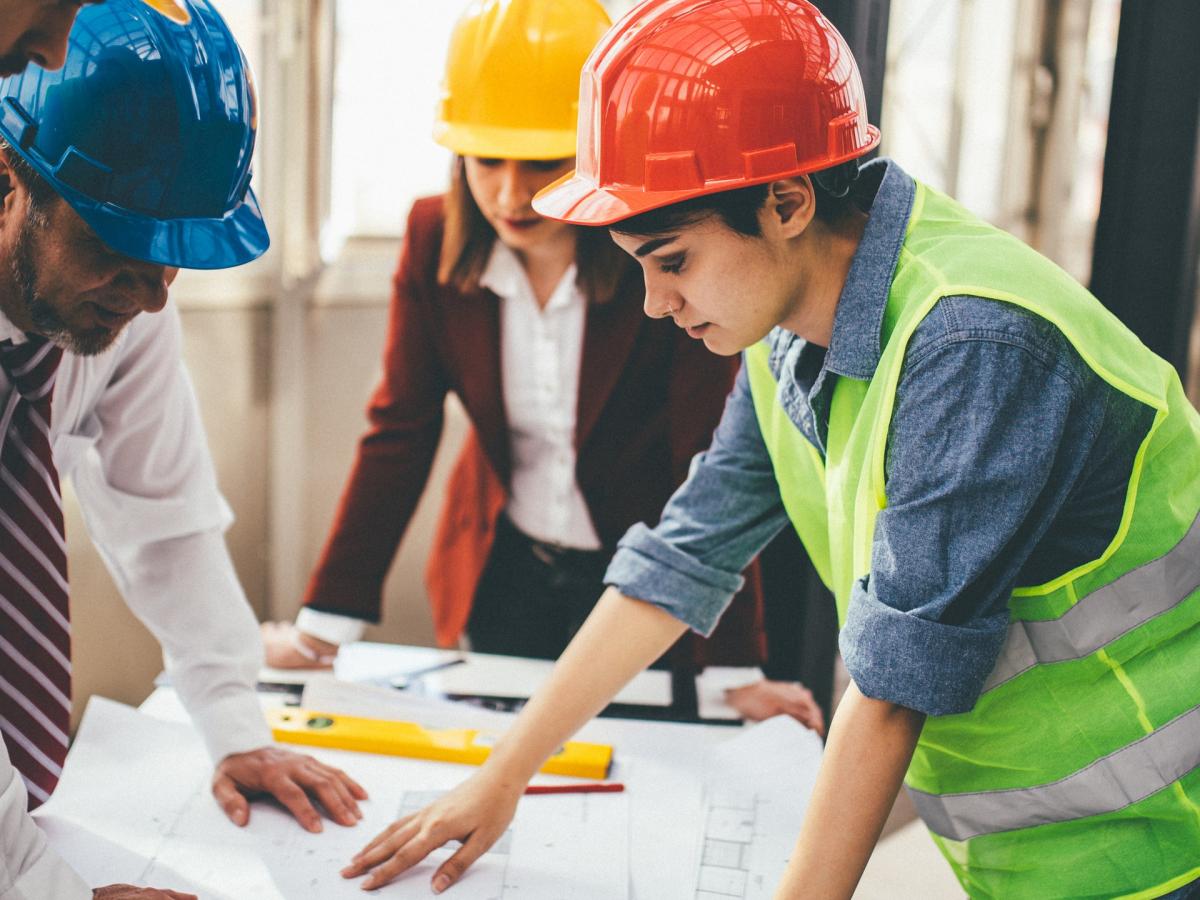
[(854, 347), (505, 277)]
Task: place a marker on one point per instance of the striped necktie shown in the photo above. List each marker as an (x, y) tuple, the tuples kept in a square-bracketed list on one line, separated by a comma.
[(35, 633)]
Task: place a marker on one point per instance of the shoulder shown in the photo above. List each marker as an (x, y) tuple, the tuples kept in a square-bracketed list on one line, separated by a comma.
[(422, 245), (960, 325), (427, 214)]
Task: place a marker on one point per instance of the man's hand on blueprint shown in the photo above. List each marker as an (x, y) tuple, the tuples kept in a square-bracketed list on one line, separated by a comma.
[(130, 892), (763, 699), (476, 813), (291, 778)]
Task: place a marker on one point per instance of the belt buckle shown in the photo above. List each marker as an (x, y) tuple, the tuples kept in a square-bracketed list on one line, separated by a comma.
[(544, 552)]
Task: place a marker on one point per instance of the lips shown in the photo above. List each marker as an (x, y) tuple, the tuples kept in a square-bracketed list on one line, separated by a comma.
[(111, 318), (521, 224), (696, 331)]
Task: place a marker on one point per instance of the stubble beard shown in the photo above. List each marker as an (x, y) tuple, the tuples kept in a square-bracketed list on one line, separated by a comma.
[(46, 320)]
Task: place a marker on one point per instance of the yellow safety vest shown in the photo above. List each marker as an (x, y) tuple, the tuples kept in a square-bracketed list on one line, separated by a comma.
[(1077, 774)]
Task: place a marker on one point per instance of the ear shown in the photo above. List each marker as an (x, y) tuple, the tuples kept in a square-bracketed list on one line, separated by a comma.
[(791, 205), (10, 187)]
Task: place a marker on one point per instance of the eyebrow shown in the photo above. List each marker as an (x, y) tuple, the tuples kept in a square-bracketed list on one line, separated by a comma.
[(651, 246)]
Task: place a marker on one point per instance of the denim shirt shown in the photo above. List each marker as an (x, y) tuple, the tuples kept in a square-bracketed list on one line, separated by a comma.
[(1007, 464)]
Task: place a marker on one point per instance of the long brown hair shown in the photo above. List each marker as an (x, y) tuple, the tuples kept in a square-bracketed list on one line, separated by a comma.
[(468, 238)]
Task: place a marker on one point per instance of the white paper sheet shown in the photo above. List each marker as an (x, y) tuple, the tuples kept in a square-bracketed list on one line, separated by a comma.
[(714, 681), (757, 787), (665, 767), (134, 806), (484, 673), (748, 787)]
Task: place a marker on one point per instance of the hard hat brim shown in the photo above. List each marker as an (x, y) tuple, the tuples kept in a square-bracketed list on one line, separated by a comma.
[(490, 142), (218, 243), (577, 199)]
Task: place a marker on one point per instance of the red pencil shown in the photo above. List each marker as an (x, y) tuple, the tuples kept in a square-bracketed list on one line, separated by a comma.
[(608, 788)]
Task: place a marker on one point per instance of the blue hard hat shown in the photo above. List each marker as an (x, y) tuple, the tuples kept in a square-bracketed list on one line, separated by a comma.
[(148, 132)]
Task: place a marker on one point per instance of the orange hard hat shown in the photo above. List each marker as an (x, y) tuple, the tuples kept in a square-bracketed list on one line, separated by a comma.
[(683, 98)]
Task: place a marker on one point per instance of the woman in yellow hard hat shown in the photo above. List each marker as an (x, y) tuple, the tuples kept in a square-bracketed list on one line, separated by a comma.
[(585, 415)]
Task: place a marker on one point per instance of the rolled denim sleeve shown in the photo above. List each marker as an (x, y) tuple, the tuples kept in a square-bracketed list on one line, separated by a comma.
[(988, 439), (718, 520)]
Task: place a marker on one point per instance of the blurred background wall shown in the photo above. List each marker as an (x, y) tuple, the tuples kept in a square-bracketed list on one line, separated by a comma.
[(1003, 103)]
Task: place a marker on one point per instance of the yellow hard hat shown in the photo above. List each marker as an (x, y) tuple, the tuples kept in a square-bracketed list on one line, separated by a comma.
[(511, 88), (172, 9)]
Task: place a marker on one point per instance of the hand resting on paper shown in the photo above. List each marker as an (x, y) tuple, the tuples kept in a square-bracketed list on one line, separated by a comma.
[(293, 779), (130, 892), (287, 647), (476, 813), (764, 699)]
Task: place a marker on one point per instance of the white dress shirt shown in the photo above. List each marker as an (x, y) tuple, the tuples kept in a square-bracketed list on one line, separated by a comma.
[(541, 349), (125, 428)]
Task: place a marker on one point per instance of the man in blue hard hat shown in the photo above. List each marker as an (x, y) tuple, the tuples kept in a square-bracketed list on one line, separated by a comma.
[(129, 162)]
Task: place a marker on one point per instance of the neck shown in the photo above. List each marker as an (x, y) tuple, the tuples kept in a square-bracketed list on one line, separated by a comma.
[(545, 263), (822, 266)]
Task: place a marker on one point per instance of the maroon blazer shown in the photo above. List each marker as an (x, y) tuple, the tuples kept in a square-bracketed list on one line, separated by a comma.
[(649, 399)]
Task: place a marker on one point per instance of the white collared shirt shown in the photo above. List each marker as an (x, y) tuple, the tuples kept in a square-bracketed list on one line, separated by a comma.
[(125, 428), (541, 349)]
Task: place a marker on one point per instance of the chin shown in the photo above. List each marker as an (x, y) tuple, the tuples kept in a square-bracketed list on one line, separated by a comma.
[(86, 342), (519, 240), (722, 345)]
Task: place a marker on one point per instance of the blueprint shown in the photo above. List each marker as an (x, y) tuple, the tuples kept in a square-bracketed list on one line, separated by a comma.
[(134, 806), (709, 813), (757, 787)]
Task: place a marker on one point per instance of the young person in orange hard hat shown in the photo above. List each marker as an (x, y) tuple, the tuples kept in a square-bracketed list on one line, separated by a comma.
[(35, 31), (997, 480), (584, 413)]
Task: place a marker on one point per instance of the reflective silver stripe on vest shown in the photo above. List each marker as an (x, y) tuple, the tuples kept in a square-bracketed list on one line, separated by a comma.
[(1105, 614), (1112, 782)]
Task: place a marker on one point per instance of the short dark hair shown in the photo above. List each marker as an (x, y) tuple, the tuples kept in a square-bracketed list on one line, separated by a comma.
[(738, 209), (41, 194)]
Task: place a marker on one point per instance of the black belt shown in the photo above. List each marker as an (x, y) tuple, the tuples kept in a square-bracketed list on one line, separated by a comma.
[(556, 556)]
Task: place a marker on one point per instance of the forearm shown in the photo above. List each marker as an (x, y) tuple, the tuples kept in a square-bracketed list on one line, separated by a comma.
[(377, 503), (620, 638), (186, 592), (870, 745)]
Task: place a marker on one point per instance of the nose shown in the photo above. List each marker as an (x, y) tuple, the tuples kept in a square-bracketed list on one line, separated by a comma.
[(661, 301), (46, 44), (514, 195), (146, 284)]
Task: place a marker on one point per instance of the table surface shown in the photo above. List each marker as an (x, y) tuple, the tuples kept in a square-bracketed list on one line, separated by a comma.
[(433, 672), (663, 765)]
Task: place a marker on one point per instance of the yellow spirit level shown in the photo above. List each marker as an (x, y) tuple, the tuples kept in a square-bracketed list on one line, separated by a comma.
[(458, 745)]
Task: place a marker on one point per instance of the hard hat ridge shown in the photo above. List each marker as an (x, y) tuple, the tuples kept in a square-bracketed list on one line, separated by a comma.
[(688, 97), (510, 88)]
